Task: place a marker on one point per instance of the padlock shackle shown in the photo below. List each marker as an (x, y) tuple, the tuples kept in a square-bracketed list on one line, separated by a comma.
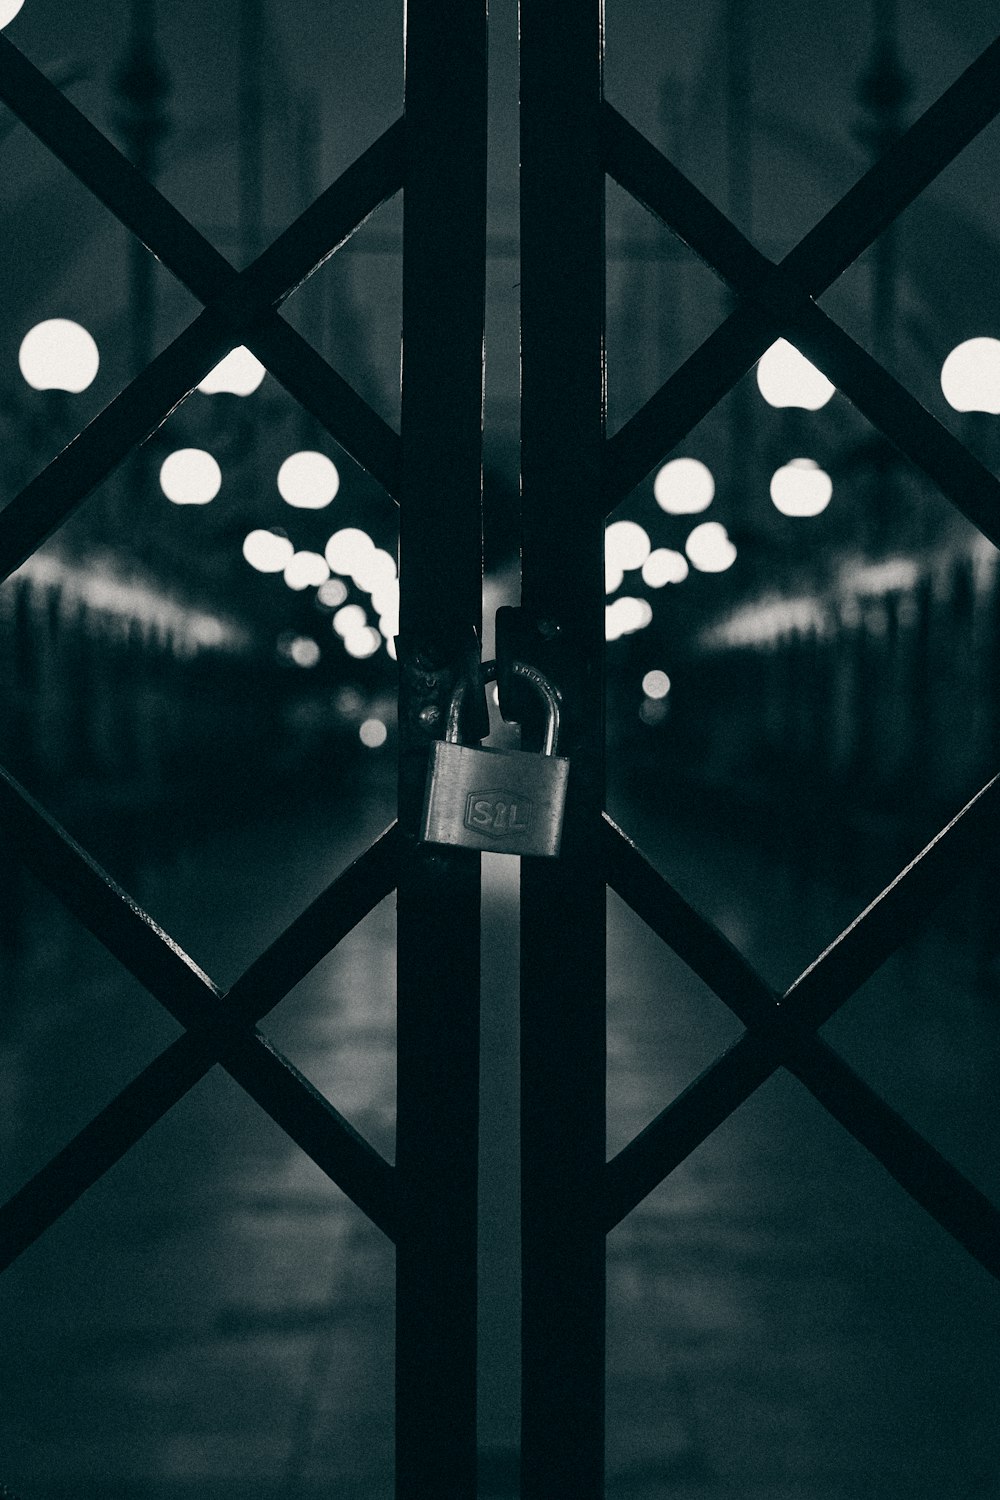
[(541, 684), (550, 697)]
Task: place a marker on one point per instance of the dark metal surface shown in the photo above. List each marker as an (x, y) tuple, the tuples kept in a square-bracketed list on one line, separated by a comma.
[(563, 902), (440, 571)]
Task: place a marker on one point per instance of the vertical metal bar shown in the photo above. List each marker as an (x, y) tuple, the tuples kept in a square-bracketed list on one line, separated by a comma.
[(563, 405), (444, 242)]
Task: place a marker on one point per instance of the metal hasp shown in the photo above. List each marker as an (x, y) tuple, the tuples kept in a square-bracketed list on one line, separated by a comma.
[(563, 945), (506, 801)]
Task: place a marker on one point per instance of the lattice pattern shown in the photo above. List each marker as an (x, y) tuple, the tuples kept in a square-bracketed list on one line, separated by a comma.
[(240, 308), (778, 301)]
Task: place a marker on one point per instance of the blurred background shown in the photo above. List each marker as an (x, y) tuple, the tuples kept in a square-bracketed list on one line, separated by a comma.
[(197, 678)]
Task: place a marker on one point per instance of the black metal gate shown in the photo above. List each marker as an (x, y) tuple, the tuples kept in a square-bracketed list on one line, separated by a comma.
[(572, 475)]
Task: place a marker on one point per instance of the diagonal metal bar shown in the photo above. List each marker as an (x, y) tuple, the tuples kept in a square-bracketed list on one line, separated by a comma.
[(221, 1027), (787, 1039), (317, 930), (930, 1179), (109, 175), (839, 237), (899, 912), (888, 405), (241, 305), (686, 1123), (101, 1143), (695, 940), (684, 399), (135, 413), (276, 273), (900, 175)]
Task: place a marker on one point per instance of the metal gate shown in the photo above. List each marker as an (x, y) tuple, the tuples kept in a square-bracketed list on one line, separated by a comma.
[(572, 476)]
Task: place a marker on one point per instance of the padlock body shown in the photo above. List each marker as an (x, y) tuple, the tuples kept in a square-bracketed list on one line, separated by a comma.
[(504, 800)]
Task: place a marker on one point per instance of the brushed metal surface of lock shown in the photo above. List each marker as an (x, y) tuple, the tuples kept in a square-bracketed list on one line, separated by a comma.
[(507, 801)]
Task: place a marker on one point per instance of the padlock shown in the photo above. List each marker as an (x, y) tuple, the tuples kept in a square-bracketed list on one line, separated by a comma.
[(508, 801)]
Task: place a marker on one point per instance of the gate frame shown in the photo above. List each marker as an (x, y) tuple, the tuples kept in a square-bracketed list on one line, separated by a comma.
[(570, 1197)]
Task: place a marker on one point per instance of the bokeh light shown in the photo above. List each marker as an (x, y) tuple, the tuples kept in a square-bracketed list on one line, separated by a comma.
[(613, 576), (385, 598), (683, 487), (374, 568), (306, 570), (786, 378), (626, 615), (664, 566), (267, 551), (349, 620), (332, 593), (347, 549), (239, 374), (362, 643), (626, 545), (8, 10), (58, 355), (308, 480), (373, 733), (709, 548), (970, 376), (190, 476), (304, 651), (652, 711), (801, 488), (656, 684)]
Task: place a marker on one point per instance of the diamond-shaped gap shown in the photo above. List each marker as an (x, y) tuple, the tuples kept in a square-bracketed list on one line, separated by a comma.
[(351, 309), (71, 259), (772, 156), (158, 689), (213, 1313), (767, 112), (339, 1027), (664, 1025), (226, 892), (152, 659), (250, 438), (303, 94), (926, 287), (714, 476), (923, 1032), (829, 691), (780, 1307), (256, 102), (662, 302)]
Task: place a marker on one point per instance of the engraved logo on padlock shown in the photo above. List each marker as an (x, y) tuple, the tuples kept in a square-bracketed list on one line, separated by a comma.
[(497, 814), (506, 800)]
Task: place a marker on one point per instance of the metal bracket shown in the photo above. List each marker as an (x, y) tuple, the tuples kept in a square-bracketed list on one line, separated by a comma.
[(430, 670)]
